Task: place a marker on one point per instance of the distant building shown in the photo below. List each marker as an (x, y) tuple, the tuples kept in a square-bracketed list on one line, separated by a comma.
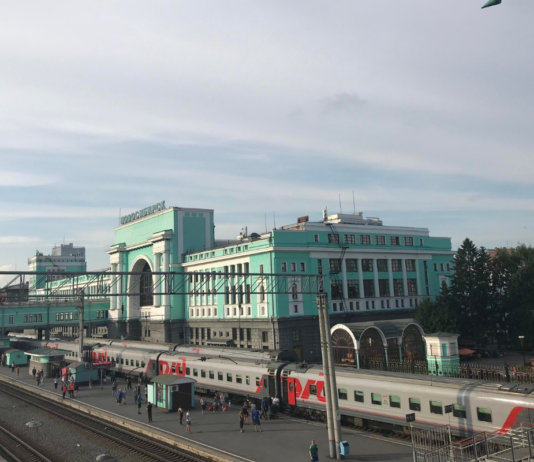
[(65, 258)]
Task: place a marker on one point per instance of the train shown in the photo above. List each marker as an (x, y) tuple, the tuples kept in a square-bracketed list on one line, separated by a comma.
[(366, 398)]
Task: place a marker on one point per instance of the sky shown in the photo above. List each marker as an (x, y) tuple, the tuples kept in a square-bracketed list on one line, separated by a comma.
[(418, 112)]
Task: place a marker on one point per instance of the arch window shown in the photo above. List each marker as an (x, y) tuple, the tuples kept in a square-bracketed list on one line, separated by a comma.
[(145, 286)]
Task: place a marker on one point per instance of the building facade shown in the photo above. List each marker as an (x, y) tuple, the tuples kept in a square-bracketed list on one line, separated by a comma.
[(260, 291)]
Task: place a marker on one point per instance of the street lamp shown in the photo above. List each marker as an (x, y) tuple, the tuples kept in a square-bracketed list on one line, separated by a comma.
[(522, 340)]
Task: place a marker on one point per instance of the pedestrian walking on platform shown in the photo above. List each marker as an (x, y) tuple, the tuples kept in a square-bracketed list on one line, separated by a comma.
[(139, 403), (55, 383), (256, 420), (313, 451), (149, 411), (64, 389), (202, 405), (181, 414), (188, 422), (241, 421)]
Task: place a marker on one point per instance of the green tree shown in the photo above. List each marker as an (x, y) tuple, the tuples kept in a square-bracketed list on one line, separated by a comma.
[(439, 315)]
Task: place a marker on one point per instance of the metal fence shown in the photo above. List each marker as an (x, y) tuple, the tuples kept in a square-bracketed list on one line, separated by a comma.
[(436, 445)]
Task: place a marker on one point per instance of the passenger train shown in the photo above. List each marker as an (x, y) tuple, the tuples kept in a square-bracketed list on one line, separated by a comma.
[(366, 398)]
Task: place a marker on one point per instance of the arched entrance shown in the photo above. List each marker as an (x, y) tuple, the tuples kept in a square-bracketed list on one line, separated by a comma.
[(343, 346), (140, 294)]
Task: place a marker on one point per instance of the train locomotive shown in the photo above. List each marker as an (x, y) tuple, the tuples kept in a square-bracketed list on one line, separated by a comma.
[(366, 398)]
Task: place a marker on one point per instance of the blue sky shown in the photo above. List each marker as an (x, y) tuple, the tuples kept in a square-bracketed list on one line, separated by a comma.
[(264, 111)]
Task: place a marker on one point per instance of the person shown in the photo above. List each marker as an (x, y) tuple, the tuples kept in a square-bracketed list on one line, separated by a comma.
[(71, 389), (181, 414), (12, 367), (265, 408), (256, 419), (34, 371), (149, 411), (241, 421), (113, 387), (188, 422), (313, 451), (55, 383), (129, 383), (18, 370), (139, 403), (244, 410), (64, 389), (202, 405)]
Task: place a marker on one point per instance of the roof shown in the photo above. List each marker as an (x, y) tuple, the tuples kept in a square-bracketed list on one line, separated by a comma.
[(391, 329), (167, 379), (46, 352)]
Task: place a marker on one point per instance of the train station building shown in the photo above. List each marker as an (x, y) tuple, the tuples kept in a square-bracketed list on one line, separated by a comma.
[(259, 291)]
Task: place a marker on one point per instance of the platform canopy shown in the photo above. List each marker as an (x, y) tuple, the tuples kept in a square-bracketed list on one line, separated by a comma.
[(167, 379)]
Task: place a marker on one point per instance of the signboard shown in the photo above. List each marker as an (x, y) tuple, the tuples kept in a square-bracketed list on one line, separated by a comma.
[(143, 213)]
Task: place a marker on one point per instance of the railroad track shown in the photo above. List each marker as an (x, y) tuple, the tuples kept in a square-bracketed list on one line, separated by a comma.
[(15, 449), (138, 446)]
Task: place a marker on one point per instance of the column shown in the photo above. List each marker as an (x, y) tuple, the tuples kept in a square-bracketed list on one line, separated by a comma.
[(360, 278), (157, 279), (375, 274), (165, 299), (404, 278), (390, 274), (418, 283), (345, 287)]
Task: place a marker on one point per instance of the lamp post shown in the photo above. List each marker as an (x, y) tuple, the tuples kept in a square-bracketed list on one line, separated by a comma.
[(522, 340)]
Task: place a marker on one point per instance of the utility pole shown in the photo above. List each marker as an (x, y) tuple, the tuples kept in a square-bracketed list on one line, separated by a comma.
[(332, 409), (80, 322)]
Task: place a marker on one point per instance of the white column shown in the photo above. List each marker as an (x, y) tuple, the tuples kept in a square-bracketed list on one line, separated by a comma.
[(390, 274), (345, 288), (360, 278), (418, 283), (404, 278), (375, 274), (166, 260), (156, 279)]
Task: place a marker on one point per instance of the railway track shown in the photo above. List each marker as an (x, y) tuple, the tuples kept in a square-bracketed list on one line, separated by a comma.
[(15, 449), (136, 445)]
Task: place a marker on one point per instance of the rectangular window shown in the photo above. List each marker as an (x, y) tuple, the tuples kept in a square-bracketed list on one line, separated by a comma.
[(394, 401), (412, 287), (293, 267), (353, 288), (415, 404), (284, 267), (350, 239), (336, 290), (398, 288), (365, 239), (436, 407), (394, 240), (484, 414), (410, 265), (408, 241), (302, 266), (459, 411), (335, 265), (220, 376), (258, 381), (358, 396), (382, 265), (380, 240), (368, 288), (351, 265), (342, 393), (195, 372), (367, 265), (229, 377), (315, 238), (202, 373), (376, 398), (333, 238), (238, 379), (212, 375), (313, 389)]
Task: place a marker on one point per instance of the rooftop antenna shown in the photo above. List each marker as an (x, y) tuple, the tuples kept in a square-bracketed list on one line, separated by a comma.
[(274, 220), (265, 216), (340, 209), (353, 202), (119, 216)]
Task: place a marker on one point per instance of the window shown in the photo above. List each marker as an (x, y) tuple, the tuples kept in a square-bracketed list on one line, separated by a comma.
[(265, 336), (293, 267), (284, 267), (313, 389), (376, 398), (302, 266), (195, 372), (335, 265), (394, 240), (333, 238), (336, 290), (358, 396), (238, 379), (436, 407), (220, 376), (315, 238), (342, 393), (380, 240), (396, 265), (352, 265), (367, 265), (382, 265), (350, 239), (410, 265), (408, 241), (415, 404), (459, 410), (412, 286), (353, 288), (228, 377), (484, 414), (365, 239), (211, 375), (394, 401), (368, 288)]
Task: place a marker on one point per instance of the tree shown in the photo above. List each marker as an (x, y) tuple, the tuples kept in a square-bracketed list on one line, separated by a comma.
[(439, 315)]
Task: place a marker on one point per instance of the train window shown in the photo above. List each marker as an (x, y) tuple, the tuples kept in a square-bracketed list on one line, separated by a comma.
[(180, 370), (143, 364), (436, 407), (247, 380), (484, 414), (415, 404), (220, 376), (238, 379), (187, 371), (342, 393), (265, 382), (202, 373), (228, 377), (358, 396), (313, 389), (394, 401), (376, 398), (195, 372), (136, 363), (212, 374), (258, 381), (459, 410)]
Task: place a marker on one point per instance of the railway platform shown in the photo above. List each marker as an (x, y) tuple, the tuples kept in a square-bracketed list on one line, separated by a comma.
[(281, 439)]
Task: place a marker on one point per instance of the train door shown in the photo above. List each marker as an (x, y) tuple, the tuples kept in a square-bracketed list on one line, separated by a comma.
[(289, 388), (271, 385)]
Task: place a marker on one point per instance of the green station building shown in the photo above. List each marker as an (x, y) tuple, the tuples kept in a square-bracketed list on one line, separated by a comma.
[(229, 297)]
